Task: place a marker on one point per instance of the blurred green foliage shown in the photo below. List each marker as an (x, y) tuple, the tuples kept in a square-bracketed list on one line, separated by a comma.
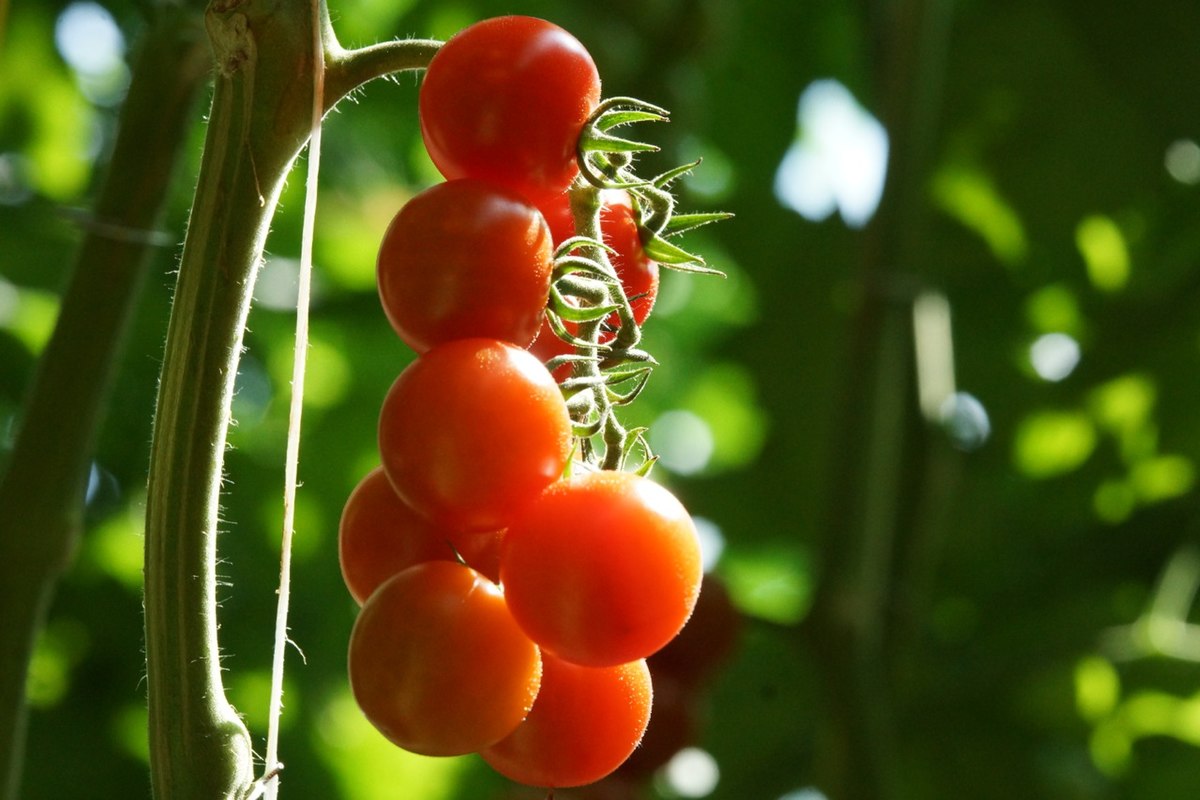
[(1039, 637)]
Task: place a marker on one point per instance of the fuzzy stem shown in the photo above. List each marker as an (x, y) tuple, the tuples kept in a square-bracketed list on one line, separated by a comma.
[(42, 494), (260, 119)]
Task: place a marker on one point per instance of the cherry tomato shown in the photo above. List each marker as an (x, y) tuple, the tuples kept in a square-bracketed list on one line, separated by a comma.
[(380, 535), (618, 229), (437, 663), (472, 432), (583, 725), (465, 258), (604, 568), (505, 100)]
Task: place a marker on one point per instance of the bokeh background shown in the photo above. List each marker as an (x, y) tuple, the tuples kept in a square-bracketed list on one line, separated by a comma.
[(939, 429)]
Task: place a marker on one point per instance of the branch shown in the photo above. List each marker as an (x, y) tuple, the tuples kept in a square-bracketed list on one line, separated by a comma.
[(260, 120)]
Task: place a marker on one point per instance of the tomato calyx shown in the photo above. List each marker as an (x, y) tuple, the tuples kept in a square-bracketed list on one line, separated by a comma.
[(606, 162)]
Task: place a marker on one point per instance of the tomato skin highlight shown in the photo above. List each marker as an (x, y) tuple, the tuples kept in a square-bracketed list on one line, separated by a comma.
[(472, 432), (438, 665), (604, 568), (505, 100), (379, 535), (462, 259), (585, 722)]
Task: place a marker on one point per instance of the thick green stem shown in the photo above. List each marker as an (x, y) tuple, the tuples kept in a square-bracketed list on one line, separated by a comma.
[(260, 119), (42, 494)]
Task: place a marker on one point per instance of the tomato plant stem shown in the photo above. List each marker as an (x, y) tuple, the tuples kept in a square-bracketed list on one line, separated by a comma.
[(260, 119), (42, 493)]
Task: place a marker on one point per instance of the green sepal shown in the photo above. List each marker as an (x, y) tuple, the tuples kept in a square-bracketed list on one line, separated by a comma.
[(597, 141), (562, 309), (644, 469), (664, 179), (568, 246), (613, 119), (682, 223), (673, 256), (570, 265), (561, 332), (640, 379)]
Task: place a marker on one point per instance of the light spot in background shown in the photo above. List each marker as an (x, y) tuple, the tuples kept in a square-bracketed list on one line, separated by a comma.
[(712, 542), (1050, 443), (1124, 406), (965, 421), (683, 441), (1097, 688), (1162, 477), (808, 793), (1182, 161), (1054, 356), (692, 772), (774, 584), (1104, 251), (28, 314), (278, 283), (1054, 308), (366, 766), (116, 546), (971, 197), (838, 161), (59, 648), (93, 46), (934, 346)]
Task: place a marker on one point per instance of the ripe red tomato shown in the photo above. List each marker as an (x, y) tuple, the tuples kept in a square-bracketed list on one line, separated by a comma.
[(583, 725), (437, 663), (505, 100), (472, 432), (603, 569), (465, 258), (380, 535), (618, 229)]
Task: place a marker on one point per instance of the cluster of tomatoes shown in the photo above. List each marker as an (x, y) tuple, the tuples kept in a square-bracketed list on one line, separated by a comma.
[(510, 595)]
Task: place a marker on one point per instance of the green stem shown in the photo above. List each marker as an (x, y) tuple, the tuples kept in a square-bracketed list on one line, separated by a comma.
[(42, 494), (260, 120)]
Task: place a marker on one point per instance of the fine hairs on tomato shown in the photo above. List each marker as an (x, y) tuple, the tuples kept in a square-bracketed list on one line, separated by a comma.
[(379, 535), (505, 100), (603, 568), (415, 661), (472, 432), (465, 258), (583, 725)]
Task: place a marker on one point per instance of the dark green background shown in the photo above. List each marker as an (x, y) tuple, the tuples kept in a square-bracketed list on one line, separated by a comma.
[(972, 638)]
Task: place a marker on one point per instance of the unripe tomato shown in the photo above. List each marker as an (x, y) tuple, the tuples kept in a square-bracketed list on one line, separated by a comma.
[(603, 568), (583, 725), (437, 663), (380, 535), (465, 258), (472, 432), (505, 100)]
